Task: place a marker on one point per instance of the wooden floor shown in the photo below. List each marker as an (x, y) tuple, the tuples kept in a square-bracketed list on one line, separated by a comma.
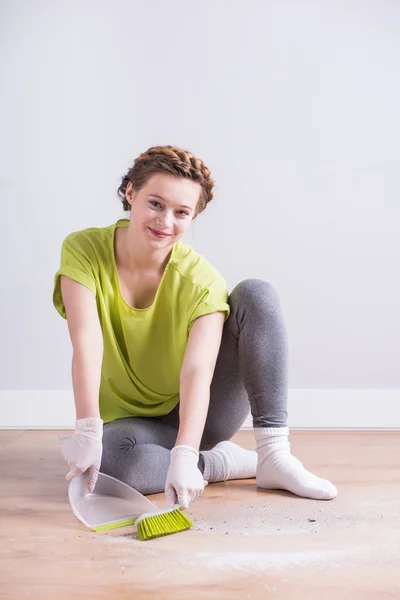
[(245, 542)]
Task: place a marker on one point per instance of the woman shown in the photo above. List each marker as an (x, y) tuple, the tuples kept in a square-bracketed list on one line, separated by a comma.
[(166, 365)]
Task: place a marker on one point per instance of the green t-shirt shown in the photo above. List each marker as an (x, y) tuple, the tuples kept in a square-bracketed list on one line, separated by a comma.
[(143, 348)]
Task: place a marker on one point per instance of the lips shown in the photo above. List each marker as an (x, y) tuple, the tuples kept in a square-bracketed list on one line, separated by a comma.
[(159, 233)]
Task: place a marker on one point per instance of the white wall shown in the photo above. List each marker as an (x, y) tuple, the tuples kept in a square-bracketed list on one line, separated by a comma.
[(294, 106)]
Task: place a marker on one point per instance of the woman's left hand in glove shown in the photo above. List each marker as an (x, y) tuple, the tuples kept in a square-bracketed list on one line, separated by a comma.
[(184, 479)]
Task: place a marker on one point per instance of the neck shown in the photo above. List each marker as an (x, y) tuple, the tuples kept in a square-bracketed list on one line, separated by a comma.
[(136, 256)]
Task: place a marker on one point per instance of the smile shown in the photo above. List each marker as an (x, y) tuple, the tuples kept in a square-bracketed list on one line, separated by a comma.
[(159, 234)]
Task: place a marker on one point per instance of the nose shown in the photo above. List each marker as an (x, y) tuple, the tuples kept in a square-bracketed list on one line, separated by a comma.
[(165, 221)]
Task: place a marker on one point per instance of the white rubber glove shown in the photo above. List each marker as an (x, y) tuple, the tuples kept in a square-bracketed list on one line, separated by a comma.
[(83, 450), (184, 479)]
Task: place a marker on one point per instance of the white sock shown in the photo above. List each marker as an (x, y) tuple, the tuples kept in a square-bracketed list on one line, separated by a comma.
[(277, 468), (228, 461)]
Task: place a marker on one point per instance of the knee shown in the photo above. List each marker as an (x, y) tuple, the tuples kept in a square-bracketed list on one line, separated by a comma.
[(120, 457), (255, 293), (118, 443)]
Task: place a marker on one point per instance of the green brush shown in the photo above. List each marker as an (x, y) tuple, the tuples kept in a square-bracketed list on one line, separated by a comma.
[(162, 522), (151, 525)]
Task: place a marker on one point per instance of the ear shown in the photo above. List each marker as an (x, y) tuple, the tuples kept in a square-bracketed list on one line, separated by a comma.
[(130, 193)]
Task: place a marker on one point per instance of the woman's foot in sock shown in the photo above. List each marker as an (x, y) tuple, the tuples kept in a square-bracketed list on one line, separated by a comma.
[(277, 468), (228, 461)]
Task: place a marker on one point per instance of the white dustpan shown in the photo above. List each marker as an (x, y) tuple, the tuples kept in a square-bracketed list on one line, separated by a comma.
[(111, 504)]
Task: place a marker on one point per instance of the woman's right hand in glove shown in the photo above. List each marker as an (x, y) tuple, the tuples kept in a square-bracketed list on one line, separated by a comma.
[(83, 450)]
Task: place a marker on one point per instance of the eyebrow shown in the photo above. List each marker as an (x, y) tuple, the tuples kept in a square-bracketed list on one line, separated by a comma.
[(161, 198)]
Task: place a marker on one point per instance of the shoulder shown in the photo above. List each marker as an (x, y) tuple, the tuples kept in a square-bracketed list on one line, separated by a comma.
[(195, 268), (91, 243), (91, 236)]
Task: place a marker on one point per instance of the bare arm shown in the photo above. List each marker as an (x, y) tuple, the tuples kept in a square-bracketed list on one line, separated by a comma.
[(87, 342), (196, 376)]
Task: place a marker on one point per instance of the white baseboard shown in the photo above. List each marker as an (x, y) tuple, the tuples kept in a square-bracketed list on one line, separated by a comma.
[(308, 409)]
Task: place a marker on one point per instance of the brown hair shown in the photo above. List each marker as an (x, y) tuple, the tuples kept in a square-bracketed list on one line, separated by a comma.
[(172, 161)]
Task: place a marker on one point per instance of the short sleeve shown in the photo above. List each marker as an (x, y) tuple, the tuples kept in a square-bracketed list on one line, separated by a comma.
[(214, 299), (77, 264)]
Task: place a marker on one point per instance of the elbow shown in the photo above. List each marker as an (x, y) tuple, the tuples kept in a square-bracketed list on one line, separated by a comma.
[(203, 374)]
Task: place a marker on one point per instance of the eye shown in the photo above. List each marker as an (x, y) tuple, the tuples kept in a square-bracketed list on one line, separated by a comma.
[(183, 212), (154, 203)]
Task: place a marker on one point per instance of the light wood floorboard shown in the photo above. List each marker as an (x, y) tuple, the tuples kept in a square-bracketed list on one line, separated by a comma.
[(246, 543)]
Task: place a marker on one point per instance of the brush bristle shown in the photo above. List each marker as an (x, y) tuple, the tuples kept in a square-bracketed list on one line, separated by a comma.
[(160, 524)]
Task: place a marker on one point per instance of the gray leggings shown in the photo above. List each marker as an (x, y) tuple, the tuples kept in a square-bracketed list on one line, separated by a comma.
[(250, 373)]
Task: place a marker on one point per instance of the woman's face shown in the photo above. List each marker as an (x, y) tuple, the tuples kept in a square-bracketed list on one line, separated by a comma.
[(164, 204)]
